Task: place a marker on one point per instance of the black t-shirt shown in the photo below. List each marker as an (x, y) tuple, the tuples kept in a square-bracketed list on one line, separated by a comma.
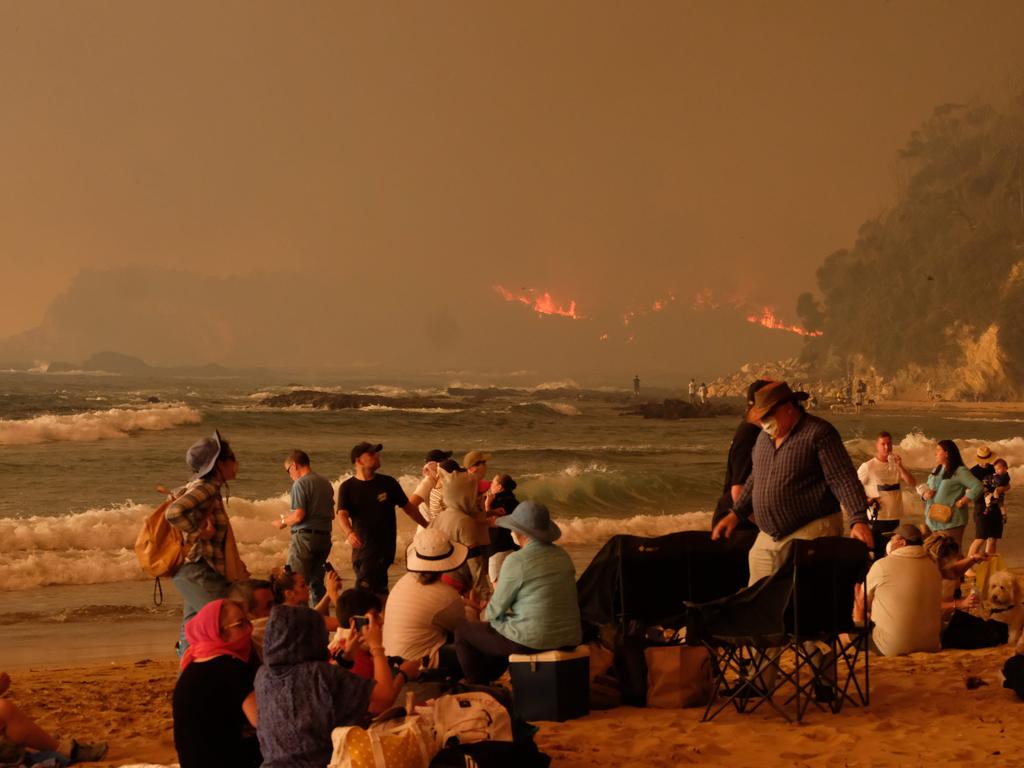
[(985, 475), (208, 717), (738, 467), (371, 508)]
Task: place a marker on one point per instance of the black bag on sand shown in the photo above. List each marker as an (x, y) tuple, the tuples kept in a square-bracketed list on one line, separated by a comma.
[(1013, 675), (630, 664), (492, 754), (967, 632)]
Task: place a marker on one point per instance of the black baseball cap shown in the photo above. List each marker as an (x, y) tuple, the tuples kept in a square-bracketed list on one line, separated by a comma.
[(362, 448), (438, 455)]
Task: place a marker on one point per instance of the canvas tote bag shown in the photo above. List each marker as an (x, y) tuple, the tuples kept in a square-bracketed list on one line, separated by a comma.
[(677, 676)]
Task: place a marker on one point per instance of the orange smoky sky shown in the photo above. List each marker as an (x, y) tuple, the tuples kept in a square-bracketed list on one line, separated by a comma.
[(399, 160)]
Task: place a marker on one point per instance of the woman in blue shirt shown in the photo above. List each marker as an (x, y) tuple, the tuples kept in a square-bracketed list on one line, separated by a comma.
[(951, 485)]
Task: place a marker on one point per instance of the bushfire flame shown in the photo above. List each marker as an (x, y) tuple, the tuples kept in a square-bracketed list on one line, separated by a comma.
[(542, 304), (768, 319)]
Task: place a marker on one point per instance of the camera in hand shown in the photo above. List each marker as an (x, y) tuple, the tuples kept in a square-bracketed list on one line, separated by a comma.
[(361, 622), (328, 566)]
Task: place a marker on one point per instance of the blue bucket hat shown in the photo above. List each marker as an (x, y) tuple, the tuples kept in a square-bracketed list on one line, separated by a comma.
[(202, 456), (533, 519)]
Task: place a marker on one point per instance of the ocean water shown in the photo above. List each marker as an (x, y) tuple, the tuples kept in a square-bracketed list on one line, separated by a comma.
[(81, 457)]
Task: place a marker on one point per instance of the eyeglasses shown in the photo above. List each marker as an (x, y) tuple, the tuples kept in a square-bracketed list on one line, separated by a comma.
[(240, 623), (289, 468)]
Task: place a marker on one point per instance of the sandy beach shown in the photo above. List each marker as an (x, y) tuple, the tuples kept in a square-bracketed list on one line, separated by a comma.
[(921, 713)]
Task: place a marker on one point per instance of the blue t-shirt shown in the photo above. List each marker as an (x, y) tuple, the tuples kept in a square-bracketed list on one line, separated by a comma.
[(315, 495)]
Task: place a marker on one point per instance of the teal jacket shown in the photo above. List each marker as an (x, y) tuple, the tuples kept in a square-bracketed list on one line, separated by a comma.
[(948, 491), (535, 601)]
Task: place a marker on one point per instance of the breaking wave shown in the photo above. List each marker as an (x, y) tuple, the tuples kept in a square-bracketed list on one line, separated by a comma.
[(95, 425)]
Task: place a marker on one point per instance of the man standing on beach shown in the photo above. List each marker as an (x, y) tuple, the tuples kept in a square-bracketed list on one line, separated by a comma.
[(366, 513), (691, 390), (881, 478), (311, 519), (801, 475)]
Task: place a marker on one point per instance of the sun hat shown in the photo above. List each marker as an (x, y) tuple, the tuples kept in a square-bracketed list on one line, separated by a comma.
[(364, 447), (984, 452), (754, 386), (533, 519), (770, 396), (432, 552), (474, 457), (438, 455), (909, 532), (203, 454)]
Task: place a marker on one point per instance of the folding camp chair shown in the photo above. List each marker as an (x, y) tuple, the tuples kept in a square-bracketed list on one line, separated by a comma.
[(792, 633)]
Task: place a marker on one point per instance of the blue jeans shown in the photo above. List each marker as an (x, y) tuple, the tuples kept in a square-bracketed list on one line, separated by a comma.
[(199, 584), (307, 553)]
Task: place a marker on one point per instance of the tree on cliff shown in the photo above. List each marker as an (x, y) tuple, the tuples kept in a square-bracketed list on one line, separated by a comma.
[(945, 263)]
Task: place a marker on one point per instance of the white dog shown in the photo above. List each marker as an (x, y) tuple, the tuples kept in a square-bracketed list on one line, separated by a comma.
[(1006, 601)]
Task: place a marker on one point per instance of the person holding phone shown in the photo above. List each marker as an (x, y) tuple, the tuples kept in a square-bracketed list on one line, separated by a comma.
[(301, 696)]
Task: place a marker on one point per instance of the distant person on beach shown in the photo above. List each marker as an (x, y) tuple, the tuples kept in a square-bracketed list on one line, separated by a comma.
[(904, 596), (301, 697), (738, 465), (214, 704), (23, 742), (691, 390), (990, 510), (948, 492), (800, 481), (366, 513), (311, 519), (211, 561), (702, 393), (636, 385), (534, 607), (881, 476)]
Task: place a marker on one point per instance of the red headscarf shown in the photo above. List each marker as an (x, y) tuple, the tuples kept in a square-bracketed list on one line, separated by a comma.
[(202, 632)]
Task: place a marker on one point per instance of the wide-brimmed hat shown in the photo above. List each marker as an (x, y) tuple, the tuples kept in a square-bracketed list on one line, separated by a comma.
[(908, 532), (431, 551), (984, 452), (771, 396), (361, 448), (474, 457), (533, 519), (202, 456)]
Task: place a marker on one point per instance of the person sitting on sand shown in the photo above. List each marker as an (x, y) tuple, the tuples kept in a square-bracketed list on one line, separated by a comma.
[(944, 550), (534, 607), (349, 649), (301, 697), (22, 742), (290, 588), (423, 610), (904, 592), (211, 557), (214, 705), (256, 598)]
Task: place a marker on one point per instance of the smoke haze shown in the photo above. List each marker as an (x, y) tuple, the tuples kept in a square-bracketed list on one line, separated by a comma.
[(261, 184)]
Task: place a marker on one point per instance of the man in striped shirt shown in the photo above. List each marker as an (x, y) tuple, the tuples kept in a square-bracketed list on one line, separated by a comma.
[(801, 477)]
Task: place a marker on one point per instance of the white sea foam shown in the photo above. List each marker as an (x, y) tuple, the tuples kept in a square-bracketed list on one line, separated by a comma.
[(597, 530), (95, 425), (393, 409)]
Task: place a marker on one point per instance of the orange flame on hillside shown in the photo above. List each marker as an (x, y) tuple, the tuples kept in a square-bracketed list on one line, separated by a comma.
[(768, 319), (542, 304)]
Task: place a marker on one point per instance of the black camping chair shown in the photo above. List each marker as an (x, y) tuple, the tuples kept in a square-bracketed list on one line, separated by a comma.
[(649, 580), (768, 637)]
